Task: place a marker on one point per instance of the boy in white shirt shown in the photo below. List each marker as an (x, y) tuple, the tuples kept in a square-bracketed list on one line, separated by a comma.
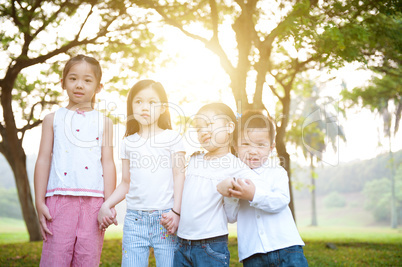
[(266, 232)]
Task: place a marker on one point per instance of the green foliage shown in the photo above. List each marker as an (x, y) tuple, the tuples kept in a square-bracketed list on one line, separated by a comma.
[(385, 41), (9, 203), (313, 125), (34, 34), (349, 177), (334, 200), (378, 196)]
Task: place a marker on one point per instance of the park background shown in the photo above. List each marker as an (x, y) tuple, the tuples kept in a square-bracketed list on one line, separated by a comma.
[(339, 70)]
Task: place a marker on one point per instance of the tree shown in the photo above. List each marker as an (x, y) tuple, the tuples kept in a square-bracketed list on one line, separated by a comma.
[(37, 33), (383, 96), (312, 129), (378, 196), (384, 92), (275, 39)]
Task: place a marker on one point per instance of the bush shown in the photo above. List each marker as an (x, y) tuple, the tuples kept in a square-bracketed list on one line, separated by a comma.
[(378, 196), (334, 200)]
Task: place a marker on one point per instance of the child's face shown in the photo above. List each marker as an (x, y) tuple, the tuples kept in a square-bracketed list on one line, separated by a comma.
[(81, 84), (213, 131), (147, 107), (254, 147)]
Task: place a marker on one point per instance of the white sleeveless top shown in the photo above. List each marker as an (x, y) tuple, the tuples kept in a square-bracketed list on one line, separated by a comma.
[(76, 168)]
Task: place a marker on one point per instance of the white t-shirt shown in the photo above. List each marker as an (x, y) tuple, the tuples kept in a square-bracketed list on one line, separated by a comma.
[(266, 223), (76, 167), (151, 173), (202, 210)]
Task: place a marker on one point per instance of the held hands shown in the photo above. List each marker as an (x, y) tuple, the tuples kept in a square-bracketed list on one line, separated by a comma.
[(106, 217), (170, 221), (223, 187), (239, 188), (242, 189), (44, 215)]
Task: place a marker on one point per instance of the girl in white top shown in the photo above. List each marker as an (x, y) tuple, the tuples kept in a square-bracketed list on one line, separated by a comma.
[(203, 232), (153, 160), (75, 170)]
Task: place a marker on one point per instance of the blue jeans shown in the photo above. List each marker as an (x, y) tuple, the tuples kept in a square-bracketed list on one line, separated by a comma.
[(211, 252), (141, 231), (290, 256)]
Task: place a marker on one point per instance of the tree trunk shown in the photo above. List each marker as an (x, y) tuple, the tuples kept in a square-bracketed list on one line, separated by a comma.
[(394, 213), (313, 202), (281, 145), (285, 163), (24, 194), (11, 148)]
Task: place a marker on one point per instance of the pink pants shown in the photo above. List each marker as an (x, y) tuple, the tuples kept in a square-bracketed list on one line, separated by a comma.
[(76, 239)]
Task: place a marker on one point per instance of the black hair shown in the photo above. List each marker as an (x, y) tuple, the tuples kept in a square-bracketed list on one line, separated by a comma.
[(255, 119), (132, 125), (221, 109)]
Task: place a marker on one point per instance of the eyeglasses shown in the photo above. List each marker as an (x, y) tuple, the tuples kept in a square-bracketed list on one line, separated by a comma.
[(258, 146)]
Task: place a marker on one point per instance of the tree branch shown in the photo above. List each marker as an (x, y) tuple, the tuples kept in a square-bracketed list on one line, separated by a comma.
[(212, 44), (23, 63), (85, 21), (279, 80), (273, 90), (28, 127), (214, 19), (2, 148), (14, 15), (53, 17)]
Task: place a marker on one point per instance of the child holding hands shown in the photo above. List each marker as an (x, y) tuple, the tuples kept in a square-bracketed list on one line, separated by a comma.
[(152, 178), (74, 170), (266, 232)]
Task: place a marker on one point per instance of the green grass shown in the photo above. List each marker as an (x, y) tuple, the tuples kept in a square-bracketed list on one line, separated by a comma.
[(12, 231), (346, 254), (352, 234), (356, 246)]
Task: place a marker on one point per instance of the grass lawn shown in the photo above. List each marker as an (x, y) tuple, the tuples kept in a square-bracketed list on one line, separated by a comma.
[(354, 247)]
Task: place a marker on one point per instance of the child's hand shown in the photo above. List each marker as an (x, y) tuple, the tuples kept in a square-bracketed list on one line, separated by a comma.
[(243, 189), (106, 217), (170, 221), (44, 215), (224, 186)]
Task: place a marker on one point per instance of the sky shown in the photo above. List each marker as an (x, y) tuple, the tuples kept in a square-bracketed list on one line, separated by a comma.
[(194, 77), (196, 74)]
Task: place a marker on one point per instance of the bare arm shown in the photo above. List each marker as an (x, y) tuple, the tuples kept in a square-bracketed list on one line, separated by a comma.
[(178, 178), (109, 168), (171, 220), (41, 175), (116, 197)]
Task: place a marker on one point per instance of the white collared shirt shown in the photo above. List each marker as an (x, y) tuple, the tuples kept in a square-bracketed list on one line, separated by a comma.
[(266, 223), (203, 209)]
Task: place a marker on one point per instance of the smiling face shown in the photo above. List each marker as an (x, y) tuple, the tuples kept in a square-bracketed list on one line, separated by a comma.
[(81, 85), (214, 131), (147, 107), (254, 147)]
